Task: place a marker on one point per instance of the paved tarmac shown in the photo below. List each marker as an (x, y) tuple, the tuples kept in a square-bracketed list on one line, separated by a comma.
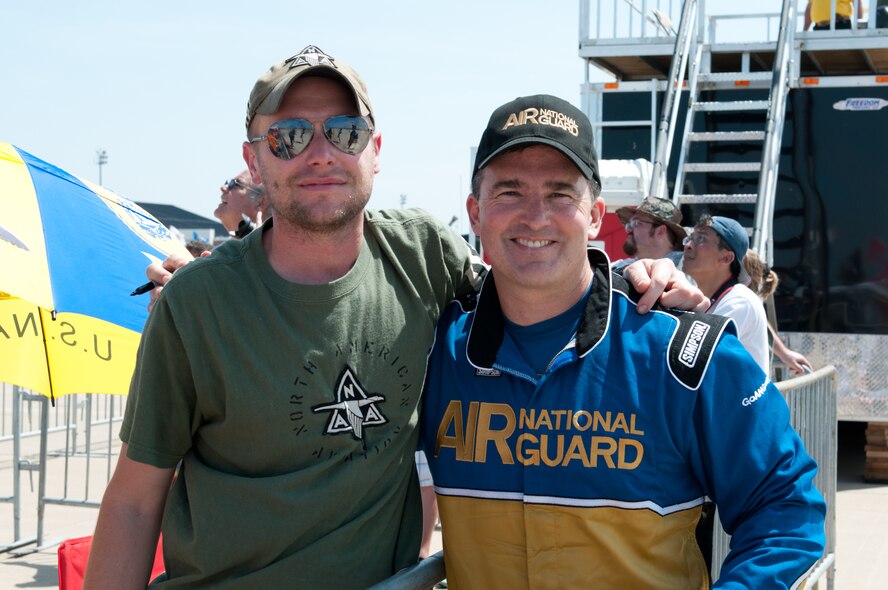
[(861, 512)]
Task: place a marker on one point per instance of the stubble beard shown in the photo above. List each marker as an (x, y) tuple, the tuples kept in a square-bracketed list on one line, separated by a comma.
[(290, 210)]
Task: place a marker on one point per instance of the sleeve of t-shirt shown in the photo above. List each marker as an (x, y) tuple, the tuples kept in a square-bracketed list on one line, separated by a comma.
[(738, 311), (161, 406), (750, 330), (465, 266)]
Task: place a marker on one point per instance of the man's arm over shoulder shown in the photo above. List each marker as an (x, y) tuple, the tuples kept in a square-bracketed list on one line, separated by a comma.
[(757, 471), (467, 268), (128, 526), (440, 248)]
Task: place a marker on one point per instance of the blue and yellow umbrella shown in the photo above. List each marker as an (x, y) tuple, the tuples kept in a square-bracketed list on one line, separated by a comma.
[(70, 254)]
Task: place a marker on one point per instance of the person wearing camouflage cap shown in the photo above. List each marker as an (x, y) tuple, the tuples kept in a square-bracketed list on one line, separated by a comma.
[(653, 230)]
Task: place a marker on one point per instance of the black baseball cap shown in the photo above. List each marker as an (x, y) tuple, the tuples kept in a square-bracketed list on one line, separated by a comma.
[(540, 119)]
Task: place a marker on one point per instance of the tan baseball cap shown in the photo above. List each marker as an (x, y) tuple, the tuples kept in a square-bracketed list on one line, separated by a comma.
[(269, 90)]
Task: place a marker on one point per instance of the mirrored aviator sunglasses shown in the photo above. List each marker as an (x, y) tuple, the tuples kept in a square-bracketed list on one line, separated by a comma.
[(289, 138)]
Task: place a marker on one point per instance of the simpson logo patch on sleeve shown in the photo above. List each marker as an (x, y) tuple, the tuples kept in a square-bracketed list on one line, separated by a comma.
[(692, 346)]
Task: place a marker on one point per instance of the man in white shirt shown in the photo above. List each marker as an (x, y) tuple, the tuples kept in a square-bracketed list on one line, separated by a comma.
[(713, 257)]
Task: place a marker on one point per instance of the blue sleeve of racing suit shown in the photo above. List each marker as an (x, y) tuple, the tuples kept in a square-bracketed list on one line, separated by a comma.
[(756, 470)]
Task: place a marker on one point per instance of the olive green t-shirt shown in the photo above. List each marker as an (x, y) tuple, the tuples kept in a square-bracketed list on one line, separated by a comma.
[(294, 409)]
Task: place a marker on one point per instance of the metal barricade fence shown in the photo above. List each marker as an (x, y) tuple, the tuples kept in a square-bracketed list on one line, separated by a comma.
[(68, 448), (812, 406)]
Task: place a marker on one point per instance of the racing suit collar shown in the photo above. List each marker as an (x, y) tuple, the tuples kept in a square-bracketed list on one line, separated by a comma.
[(488, 326)]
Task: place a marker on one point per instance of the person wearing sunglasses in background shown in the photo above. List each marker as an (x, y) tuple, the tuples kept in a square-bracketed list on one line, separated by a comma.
[(242, 205), (717, 257), (283, 373), (653, 230)]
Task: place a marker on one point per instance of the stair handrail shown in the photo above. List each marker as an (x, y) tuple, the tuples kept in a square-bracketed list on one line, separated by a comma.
[(762, 238), (688, 33), (693, 94)]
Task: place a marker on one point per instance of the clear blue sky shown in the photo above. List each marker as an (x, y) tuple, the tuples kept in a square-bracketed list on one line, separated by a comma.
[(162, 86)]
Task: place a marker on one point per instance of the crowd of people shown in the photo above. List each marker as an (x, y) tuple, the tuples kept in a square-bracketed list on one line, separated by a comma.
[(574, 429), (716, 257)]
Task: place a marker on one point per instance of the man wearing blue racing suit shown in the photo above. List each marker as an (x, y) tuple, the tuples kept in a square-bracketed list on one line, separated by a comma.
[(573, 441)]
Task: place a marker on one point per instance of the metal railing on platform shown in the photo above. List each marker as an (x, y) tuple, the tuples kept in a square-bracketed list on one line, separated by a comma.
[(645, 21)]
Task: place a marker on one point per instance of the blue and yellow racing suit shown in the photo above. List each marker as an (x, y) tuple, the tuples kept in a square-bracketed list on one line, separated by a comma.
[(594, 474)]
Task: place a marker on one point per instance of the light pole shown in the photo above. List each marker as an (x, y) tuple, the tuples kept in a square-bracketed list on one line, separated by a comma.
[(101, 160)]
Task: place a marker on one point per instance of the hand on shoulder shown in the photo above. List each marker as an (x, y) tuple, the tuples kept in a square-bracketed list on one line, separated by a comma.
[(160, 274), (659, 279)]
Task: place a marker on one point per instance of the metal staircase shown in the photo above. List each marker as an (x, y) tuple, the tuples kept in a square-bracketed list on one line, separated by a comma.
[(765, 135)]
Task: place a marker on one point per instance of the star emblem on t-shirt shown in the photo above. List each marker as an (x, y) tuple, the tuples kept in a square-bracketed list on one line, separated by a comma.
[(353, 408)]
